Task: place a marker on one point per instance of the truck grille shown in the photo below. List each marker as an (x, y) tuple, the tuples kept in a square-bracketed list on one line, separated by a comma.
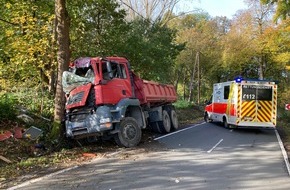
[(80, 131), (79, 115), (76, 98)]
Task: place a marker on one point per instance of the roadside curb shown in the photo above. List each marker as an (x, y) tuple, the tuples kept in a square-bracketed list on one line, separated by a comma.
[(284, 153)]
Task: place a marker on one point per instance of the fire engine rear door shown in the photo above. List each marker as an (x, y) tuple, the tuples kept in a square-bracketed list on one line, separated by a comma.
[(257, 103)]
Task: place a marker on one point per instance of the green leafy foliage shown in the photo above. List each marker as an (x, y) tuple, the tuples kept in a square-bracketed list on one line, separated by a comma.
[(28, 38), (34, 100), (151, 50), (97, 28), (202, 36), (182, 104), (7, 107), (283, 8)]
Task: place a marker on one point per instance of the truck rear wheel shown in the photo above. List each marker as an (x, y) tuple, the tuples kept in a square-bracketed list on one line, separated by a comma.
[(155, 127), (165, 124), (129, 134), (174, 120)]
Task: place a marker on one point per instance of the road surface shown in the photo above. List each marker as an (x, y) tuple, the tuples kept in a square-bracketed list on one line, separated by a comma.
[(204, 156)]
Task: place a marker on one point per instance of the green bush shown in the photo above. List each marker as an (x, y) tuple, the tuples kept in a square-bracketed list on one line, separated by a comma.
[(284, 116), (35, 100), (181, 104), (7, 106), (38, 105)]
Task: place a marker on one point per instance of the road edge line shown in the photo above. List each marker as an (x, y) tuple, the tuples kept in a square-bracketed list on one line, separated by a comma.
[(284, 153), (161, 137)]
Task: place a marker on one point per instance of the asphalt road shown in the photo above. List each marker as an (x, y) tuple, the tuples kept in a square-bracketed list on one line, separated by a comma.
[(205, 156)]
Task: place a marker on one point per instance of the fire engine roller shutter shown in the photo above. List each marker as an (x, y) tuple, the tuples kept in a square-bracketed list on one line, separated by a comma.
[(248, 110), (257, 104), (264, 111)]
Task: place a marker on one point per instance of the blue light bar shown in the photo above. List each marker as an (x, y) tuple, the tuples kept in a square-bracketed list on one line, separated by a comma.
[(239, 79)]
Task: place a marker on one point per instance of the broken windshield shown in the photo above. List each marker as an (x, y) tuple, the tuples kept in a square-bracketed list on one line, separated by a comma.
[(77, 77)]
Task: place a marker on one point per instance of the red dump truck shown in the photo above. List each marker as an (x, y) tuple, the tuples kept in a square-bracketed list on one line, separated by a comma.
[(106, 99)]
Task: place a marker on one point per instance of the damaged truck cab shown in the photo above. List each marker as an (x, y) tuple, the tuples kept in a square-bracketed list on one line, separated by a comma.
[(105, 98)]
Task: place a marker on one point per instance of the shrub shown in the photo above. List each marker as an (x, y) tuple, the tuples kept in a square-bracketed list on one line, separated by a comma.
[(7, 106), (181, 104)]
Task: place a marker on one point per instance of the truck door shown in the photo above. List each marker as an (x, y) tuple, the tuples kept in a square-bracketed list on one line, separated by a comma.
[(257, 103), (117, 85)]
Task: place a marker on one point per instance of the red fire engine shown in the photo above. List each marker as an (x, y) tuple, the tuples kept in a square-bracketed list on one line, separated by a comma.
[(243, 103)]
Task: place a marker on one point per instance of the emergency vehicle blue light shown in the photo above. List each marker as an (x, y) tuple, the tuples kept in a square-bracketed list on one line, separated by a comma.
[(239, 79)]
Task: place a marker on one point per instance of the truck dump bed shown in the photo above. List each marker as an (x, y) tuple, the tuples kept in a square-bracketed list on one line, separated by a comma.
[(153, 93)]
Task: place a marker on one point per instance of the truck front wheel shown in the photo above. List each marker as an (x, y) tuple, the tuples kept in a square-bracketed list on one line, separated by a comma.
[(129, 134)]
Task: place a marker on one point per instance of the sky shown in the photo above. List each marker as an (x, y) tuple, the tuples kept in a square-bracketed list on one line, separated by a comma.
[(214, 7)]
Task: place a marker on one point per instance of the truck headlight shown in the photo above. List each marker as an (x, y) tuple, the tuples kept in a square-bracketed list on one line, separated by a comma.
[(105, 123), (105, 120)]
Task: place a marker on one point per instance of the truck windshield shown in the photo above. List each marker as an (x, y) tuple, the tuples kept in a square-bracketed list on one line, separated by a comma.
[(77, 77)]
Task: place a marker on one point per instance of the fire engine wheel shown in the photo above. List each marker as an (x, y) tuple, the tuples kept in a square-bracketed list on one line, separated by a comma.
[(130, 133), (206, 118), (165, 124), (225, 123), (174, 120)]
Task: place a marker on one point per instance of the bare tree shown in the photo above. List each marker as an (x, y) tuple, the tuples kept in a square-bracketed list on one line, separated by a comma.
[(153, 10)]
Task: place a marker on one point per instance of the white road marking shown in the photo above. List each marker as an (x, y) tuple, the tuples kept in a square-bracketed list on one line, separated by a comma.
[(283, 152), (209, 151), (177, 131)]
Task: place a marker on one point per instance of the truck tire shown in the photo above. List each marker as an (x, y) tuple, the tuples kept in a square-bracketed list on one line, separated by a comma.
[(129, 134), (155, 127), (174, 120), (165, 124)]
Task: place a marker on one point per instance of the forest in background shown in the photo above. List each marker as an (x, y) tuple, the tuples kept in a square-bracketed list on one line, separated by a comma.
[(190, 50)]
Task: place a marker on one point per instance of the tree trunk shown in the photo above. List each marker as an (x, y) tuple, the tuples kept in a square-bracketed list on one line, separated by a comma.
[(52, 79), (178, 74), (62, 32), (184, 84), (198, 77), (261, 67), (190, 96)]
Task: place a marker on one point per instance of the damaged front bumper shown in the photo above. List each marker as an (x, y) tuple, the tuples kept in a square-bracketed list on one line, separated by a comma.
[(84, 123)]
